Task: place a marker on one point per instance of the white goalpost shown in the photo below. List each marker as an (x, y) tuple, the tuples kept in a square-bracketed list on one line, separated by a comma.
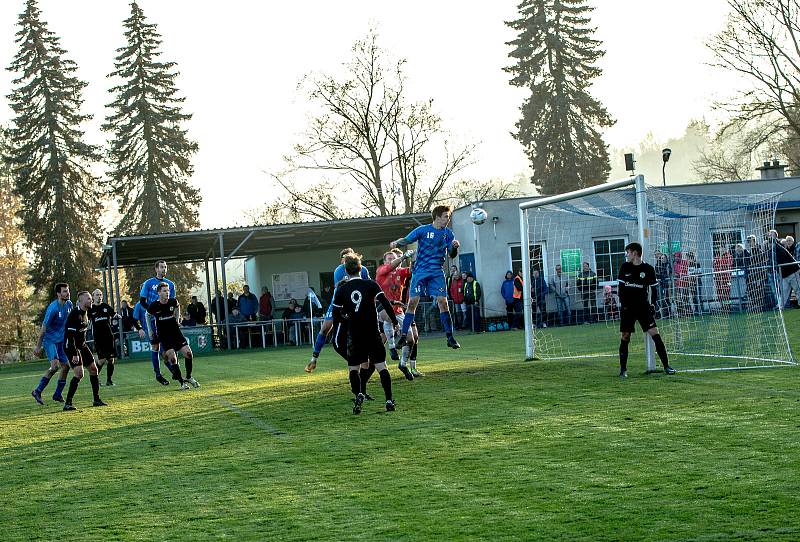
[(718, 306)]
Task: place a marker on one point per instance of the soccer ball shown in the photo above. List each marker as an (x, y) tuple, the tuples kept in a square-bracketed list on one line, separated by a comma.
[(478, 216)]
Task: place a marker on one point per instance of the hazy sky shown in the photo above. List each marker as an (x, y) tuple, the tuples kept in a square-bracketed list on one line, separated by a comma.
[(241, 61)]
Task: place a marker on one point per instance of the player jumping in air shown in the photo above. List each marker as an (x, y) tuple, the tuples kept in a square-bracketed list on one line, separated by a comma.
[(80, 356), (635, 279), (354, 302), (51, 340), (339, 274), (100, 315), (148, 295), (434, 241), (391, 277), (164, 331)]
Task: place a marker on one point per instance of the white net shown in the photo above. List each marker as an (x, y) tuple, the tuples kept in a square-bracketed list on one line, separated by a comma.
[(719, 305)]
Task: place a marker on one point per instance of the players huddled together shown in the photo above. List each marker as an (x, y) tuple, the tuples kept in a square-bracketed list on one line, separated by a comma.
[(63, 337)]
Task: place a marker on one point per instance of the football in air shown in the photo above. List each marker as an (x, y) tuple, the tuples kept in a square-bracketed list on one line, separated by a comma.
[(478, 216)]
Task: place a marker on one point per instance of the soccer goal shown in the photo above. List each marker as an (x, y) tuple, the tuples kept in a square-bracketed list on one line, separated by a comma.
[(717, 307)]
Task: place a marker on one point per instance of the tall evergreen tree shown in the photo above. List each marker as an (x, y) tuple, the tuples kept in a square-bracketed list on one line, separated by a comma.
[(150, 153), (16, 315), (555, 58), (50, 161)]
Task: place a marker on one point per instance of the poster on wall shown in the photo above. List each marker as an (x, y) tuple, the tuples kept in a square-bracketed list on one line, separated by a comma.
[(286, 286)]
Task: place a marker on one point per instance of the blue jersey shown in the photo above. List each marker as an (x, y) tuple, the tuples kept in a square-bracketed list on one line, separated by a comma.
[(55, 317), (139, 313), (432, 247), (150, 289), (339, 273)]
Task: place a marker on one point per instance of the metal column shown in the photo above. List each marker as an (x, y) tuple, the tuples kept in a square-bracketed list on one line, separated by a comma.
[(644, 237), (116, 301), (530, 318), (208, 293), (224, 288)]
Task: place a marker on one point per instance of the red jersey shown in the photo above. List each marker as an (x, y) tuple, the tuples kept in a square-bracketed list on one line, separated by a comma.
[(392, 281)]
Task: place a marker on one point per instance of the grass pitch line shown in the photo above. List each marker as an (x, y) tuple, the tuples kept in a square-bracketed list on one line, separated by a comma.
[(252, 418)]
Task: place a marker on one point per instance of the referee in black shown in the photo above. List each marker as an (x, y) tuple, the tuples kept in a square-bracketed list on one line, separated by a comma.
[(635, 279)]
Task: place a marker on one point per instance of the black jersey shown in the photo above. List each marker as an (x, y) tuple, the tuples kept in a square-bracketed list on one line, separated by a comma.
[(355, 301), (165, 316), (75, 331), (635, 283), (101, 316)]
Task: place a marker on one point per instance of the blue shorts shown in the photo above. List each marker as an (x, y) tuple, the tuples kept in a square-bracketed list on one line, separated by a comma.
[(329, 312), (55, 351), (432, 285)]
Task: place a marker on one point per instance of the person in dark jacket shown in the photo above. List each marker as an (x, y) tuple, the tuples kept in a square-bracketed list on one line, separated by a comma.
[(507, 291), (538, 298), (196, 311), (472, 298), (248, 304)]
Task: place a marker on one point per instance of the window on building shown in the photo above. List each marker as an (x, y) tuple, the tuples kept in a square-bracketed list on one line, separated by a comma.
[(786, 229), (609, 255), (726, 239), (537, 254)]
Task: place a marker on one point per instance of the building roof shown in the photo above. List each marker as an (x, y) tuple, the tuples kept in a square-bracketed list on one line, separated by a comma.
[(245, 242)]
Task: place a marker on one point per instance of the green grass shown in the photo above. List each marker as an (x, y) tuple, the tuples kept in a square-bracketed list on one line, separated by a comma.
[(485, 447)]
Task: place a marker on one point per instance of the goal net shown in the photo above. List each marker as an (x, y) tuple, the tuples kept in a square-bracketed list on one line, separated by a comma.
[(718, 305)]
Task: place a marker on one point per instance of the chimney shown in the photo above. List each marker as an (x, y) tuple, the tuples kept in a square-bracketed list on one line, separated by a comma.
[(774, 170)]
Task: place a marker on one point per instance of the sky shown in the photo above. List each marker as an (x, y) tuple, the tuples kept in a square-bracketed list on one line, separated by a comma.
[(240, 63)]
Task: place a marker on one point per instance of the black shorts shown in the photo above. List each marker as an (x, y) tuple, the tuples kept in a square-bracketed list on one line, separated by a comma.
[(630, 315), (172, 342), (86, 357), (363, 350), (104, 347)]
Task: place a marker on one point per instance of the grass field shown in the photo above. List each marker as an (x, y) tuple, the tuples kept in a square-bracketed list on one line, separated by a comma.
[(484, 447)]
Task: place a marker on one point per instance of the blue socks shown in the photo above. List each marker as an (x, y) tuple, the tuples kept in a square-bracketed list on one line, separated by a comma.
[(42, 384), (447, 324), (60, 385), (154, 360), (318, 344), (408, 319)]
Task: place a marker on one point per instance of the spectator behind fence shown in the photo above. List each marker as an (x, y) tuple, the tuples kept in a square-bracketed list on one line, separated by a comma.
[(196, 311), (663, 277), (126, 316), (793, 247), (232, 303), (587, 286), (507, 291), (562, 286), (790, 274), (235, 317), (218, 307), (287, 313), (519, 284), (455, 290), (248, 304), (472, 299), (265, 305), (539, 298), (722, 265)]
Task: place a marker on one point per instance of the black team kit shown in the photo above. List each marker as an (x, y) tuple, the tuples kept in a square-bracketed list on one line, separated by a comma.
[(354, 303), (100, 316), (168, 334), (75, 344), (635, 282)]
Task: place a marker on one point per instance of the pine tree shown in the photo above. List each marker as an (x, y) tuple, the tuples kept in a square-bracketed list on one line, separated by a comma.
[(556, 60), (16, 315), (50, 162), (150, 153)]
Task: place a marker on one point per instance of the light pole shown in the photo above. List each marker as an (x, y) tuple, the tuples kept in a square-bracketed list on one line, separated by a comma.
[(665, 153)]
